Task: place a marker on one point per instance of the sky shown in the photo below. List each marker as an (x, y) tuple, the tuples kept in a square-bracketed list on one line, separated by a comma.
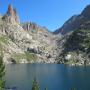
[(49, 13)]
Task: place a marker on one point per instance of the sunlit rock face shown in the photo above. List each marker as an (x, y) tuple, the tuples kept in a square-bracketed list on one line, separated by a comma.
[(30, 26), (25, 42), (11, 15)]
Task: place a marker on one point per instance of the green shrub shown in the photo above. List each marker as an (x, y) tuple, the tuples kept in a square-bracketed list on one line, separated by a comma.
[(2, 73)]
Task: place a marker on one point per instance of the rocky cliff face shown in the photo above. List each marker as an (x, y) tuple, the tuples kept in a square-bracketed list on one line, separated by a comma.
[(75, 22), (43, 39), (25, 43)]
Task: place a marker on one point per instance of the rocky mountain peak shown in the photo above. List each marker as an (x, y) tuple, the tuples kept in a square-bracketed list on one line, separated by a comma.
[(10, 10), (86, 11), (11, 15), (75, 22)]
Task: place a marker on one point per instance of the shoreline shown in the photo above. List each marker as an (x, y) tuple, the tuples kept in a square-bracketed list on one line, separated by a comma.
[(75, 65)]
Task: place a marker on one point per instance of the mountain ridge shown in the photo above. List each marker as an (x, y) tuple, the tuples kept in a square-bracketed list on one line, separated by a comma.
[(75, 21)]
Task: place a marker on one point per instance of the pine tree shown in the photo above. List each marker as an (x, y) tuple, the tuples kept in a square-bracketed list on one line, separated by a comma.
[(2, 73), (46, 89), (35, 85)]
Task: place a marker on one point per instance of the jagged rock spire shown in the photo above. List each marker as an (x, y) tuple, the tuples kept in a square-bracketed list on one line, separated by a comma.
[(16, 16), (10, 10), (11, 15)]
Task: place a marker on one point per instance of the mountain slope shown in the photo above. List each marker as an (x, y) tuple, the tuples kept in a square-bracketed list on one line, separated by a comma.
[(75, 22), (76, 48), (25, 43)]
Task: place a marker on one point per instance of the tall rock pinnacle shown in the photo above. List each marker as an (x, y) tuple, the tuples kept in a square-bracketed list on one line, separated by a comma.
[(10, 10), (11, 15), (16, 16)]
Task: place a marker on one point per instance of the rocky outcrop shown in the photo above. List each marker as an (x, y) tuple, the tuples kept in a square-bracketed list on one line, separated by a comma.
[(30, 26), (11, 15)]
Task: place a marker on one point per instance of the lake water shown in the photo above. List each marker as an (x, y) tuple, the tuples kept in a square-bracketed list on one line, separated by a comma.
[(52, 76)]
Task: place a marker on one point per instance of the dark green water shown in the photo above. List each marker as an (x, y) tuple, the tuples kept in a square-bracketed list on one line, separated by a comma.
[(52, 76)]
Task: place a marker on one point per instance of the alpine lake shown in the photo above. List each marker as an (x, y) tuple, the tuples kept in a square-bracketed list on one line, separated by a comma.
[(51, 76)]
